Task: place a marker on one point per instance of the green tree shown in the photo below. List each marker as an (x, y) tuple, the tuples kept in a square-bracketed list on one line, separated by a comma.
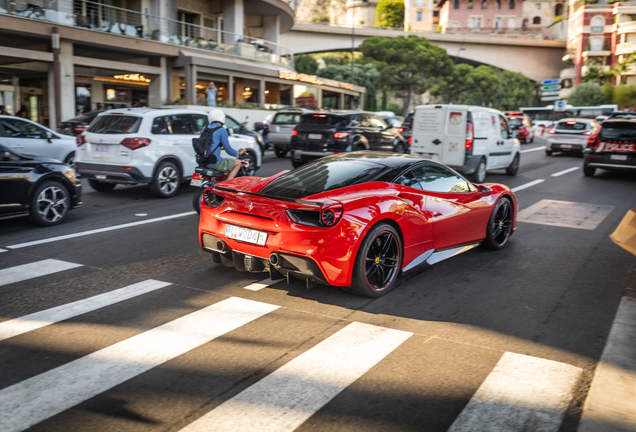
[(624, 96), (596, 75), (467, 84), (515, 91), (365, 75), (306, 64), (587, 94), (406, 64), (390, 13)]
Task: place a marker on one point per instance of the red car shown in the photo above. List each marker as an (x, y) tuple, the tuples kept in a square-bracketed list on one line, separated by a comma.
[(354, 220), (521, 124)]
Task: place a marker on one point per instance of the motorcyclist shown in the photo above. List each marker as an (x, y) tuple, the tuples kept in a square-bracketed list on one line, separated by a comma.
[(216, 117)]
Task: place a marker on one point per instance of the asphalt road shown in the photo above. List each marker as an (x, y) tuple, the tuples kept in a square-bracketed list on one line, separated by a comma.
[(457, 346)]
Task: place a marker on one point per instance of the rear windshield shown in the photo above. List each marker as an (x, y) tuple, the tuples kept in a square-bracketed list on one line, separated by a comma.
[(322, 119), (115, 124), (571, 126), (618, 129), (286, 119), (321, 176), (515, 121)]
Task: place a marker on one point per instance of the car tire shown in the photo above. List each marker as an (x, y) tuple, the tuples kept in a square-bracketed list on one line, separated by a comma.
[(70, 159), (252, 168), (281, 153), (499, 225), (548, 152), (360, 147), (378, 263), (400, 148), (166, 180), (514, 166), (297, 163), (480, 172), (101, 187), (50, 204), (588, 171)]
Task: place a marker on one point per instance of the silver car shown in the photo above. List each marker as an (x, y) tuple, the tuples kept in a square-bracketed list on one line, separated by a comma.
[(280, 131), (570, 135)]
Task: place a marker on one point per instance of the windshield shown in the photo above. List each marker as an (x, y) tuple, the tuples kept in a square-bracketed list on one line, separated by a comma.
[(515, 122), (618, 129), (571, 126), (115, 124), (321, 119), (286, 119), (321, 176)]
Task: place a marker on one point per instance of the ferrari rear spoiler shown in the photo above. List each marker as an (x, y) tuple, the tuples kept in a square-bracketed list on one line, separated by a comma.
[(260, 197)]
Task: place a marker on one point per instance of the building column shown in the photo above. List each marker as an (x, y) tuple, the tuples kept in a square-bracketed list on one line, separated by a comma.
[(230, 90), (261, 93), (271, 30), (158, 90), (97, 94), (51, 94), (67, 84), (233, 20), (17, 102), (190, 71), (341, 104), (319, 101)]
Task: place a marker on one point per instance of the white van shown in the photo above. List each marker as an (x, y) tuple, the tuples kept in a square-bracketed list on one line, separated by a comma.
[(470, 139)]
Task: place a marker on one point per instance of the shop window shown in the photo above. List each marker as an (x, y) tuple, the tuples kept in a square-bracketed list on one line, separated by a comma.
[(536, 20), (272, 95), (245, 92), (6, 102), (330, 99), (82, 99), (285, 91), (351, 102)]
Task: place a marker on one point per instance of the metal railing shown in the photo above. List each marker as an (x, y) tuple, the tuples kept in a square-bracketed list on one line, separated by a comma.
[(114, 20)]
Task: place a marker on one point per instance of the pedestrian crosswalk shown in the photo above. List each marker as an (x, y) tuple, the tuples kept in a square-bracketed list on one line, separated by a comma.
[(520, 393)]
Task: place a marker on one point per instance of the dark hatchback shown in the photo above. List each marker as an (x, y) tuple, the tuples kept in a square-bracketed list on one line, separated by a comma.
[(79, 124), (613, 147), (45, 189), (320, 134)]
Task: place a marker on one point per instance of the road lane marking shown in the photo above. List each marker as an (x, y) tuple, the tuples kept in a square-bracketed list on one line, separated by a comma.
[(44, 318), (257, 286), (527, 185), (285, 399), (32, 270), (99, 230), (2, 250), (521, 393), (31, 401), (569, 170), (532, 149)]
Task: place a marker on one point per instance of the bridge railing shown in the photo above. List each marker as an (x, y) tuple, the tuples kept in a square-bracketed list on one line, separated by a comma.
[(114, 20)]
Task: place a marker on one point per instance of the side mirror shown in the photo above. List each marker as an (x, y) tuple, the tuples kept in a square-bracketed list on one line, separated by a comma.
[(484, 190), (49, 135)]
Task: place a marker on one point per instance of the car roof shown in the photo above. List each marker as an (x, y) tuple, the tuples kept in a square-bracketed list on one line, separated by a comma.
[(391, 160), (142, 112), (579, 120)]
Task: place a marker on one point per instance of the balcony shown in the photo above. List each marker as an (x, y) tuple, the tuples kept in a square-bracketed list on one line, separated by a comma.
[(599, 53), (109, 19), (626, 27), (586, 69), (626, 48), (564, 93), (569, 73)]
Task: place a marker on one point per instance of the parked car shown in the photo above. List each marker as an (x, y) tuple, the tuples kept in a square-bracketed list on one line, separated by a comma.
[(613, 145), (280, 130), (470, 139), (79, 124), (521, 124), (570, 135), (45, 189), (153, 146), (321, 134), (354, 220), (24, 136)]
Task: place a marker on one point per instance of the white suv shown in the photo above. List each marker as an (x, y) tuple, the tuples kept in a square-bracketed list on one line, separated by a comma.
[(142, 145)]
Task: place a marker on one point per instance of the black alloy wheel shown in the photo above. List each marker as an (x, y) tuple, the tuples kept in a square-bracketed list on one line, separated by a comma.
[(499, 225), (378, 262), (50, 204), (588, 171)]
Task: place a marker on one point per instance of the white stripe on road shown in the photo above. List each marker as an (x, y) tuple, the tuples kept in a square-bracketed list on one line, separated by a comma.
[(569, 170), (41, 319), (2, 250), (532, 149), (36, 399), (32, 270), (521, 393), (527, 185), (257, 286), (283, 400), (99, 230)]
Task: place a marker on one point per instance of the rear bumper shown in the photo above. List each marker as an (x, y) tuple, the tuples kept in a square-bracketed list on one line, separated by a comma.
[(111, 173), (605, 161)]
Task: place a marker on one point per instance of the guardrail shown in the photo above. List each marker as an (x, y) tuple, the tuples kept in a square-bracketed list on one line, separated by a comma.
[(115, 20)]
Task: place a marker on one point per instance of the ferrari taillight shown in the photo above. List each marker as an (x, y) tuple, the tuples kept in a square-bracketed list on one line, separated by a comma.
[(81, 140), (593, 141), (135, 143), (331, 215), (211, 199), (469, 135), (327, 217)]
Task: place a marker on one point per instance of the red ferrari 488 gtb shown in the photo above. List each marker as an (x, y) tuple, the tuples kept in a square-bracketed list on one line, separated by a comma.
[(354, 220)]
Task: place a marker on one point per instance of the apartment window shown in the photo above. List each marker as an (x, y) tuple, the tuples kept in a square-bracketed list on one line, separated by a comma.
[(597, 24), (536, 20), (497, 4), (186, 27), (484, 4), (419, 3), (498, 22), (470, 4), (475, 22), (456, 4), (537, 6), (419, 16), (435, 14), (558, 9), (512, 4)]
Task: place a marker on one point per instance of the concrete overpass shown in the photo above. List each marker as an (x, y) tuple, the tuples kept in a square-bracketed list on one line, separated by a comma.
[(537, 59)]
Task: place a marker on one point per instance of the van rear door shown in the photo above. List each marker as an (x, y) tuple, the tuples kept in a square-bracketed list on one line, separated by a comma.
[(439, 132)]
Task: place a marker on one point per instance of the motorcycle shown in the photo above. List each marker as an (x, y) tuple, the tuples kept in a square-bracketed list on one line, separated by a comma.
[(263, 129), (205, 177)]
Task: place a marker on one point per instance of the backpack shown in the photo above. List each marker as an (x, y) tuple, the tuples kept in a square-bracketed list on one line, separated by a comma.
[(201, 146)]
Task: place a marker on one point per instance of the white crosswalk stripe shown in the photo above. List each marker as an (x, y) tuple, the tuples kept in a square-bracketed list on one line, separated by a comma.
[(521, 393), (36, 399), (32, 270), (283, 400), (41, 319)]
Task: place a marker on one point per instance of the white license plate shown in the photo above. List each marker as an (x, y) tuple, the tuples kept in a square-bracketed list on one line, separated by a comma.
[(618, 157), (246, 235), (566, 145), (102, 148), (196, 183), (314, 136)]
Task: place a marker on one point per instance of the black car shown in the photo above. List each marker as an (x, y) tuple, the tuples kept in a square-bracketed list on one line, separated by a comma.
[(613, 146), (45, 189), (407, 126), (319, 134), (79, 124)]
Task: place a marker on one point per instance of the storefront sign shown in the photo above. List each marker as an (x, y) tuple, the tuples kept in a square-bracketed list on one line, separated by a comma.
[(132, 77), (295, 76), (346, 86)]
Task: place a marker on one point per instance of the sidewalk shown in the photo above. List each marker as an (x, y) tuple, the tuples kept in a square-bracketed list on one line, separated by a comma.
[(611, 402)]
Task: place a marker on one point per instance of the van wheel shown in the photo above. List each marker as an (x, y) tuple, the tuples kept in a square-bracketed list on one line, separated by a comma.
[(165, 182), (514, 166), (480, 173), (101, 187), (281, 153)]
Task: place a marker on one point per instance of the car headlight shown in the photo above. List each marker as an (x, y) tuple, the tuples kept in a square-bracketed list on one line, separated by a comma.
[(70, 174)]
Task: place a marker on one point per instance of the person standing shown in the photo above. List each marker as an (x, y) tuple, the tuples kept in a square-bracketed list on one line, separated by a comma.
[(219, 141), (211, 94)]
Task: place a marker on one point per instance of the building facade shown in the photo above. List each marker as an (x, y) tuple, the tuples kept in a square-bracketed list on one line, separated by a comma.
[(480, 15)]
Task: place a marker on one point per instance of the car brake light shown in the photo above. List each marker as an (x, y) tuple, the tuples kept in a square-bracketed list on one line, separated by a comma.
[(340, 135), (593, 141), (469, 135), (80, 128), (400, 130), (587, 133), (135, 143), (331, 215), (570, 122), (320, 115), (294, 132), (80, 140), (551, 131)]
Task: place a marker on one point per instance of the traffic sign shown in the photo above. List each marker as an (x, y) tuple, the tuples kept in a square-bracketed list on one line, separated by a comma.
[(549, 98), (551, 87), (560, 105), (550, 93), (551, 81)]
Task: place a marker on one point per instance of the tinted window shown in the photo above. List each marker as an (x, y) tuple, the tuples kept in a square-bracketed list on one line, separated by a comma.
[(181, 124), (321, 176), (21, 129), (394, 121), (160, 126), (231, 123), (515, 122), (286, 119), (115, 124), (409, 180), (321, 119), (618, 129), (436, 178), (354, 120), (199, 122), (503, 123), (571, 126)]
